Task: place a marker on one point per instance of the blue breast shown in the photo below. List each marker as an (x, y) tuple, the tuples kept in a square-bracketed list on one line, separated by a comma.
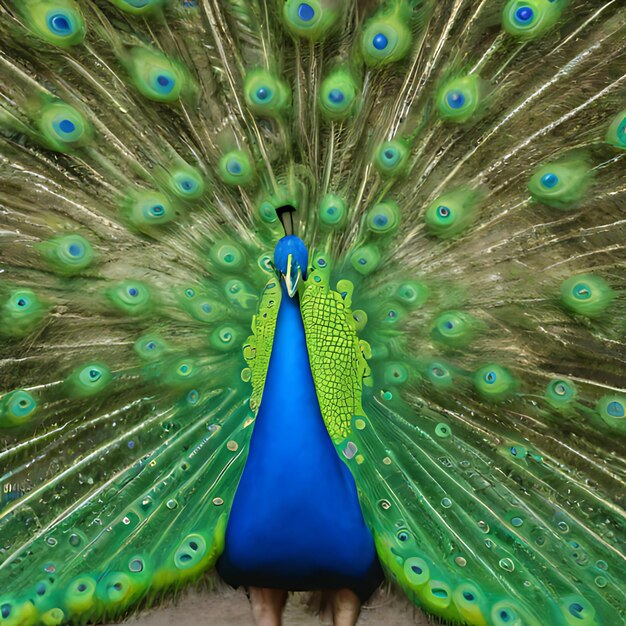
[(296, 522)]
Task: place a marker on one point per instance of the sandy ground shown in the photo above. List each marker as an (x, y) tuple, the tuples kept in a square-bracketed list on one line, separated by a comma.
[(231, 608)]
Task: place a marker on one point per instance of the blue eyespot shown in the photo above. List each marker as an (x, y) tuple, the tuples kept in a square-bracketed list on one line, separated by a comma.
[(157, 210), (22, 302), (5, 611), (306, 12), (262, 93), (59, 24), (443, 211), (549, 180), (321, 262), (455, 99), (380, 41), (381, 220), (234, 167), (75, 249), (615, 409), (449, 325), (336, 96), (576, 609), (41, 589), (67, 126), (133, 292), (490, 377), (150, 345), (94, 374), (362, 261), (582, 291), (468, 596), (164, 83), (504, 616), (206, 308), (524, 14)]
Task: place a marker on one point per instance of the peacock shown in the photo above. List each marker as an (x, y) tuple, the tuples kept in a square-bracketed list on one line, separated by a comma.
[(305, 290)]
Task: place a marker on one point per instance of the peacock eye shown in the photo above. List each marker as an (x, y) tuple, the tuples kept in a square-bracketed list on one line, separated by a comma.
[(524, 15), (186, 183), (235, 168), (383, 218), (443, 211), (549, 180), (75, 250), (455, 99), (306, 12), (380, 41), (163, 83), (581, 291), (156, 76)]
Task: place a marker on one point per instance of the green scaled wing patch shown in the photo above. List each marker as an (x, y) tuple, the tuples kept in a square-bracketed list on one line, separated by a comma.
[(258, 347), (336, 354)]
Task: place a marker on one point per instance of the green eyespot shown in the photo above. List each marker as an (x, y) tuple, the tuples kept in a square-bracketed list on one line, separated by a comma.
[(439, 375), (616, 133), (312, 19), (131, 297), (88, 380), (63, 128), (68, 254), (612, 410), (226, 338), (454, 328), (228, 256), (150, 347), (16, 408), (338, 96), (156, 76), (365, 259), (387, 36), (528, 19), (20, 313), (79, 597), (451, 214), (586, 294), (412, 293), (149, 210), (186, 183), (494, 382), (333, 211), (391, 158), (235, 168), (560, 185), (58, 22), (383, 218), (396, 374), (182, 373), (561, 393), (138, 7), (459, 99), (265, 94)]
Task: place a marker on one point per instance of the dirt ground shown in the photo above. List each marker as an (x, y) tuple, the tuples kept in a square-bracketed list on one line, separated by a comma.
[(230, 608)]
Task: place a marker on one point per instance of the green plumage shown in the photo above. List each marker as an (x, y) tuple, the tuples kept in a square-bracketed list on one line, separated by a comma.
[(457, 170)]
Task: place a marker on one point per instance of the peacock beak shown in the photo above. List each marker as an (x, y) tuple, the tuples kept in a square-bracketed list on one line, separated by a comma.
[(292, 276)]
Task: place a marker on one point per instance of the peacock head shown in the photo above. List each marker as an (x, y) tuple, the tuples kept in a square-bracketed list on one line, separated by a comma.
[(291, 258)]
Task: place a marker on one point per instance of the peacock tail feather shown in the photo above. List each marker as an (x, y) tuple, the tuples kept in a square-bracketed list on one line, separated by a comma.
[(457, 170)]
